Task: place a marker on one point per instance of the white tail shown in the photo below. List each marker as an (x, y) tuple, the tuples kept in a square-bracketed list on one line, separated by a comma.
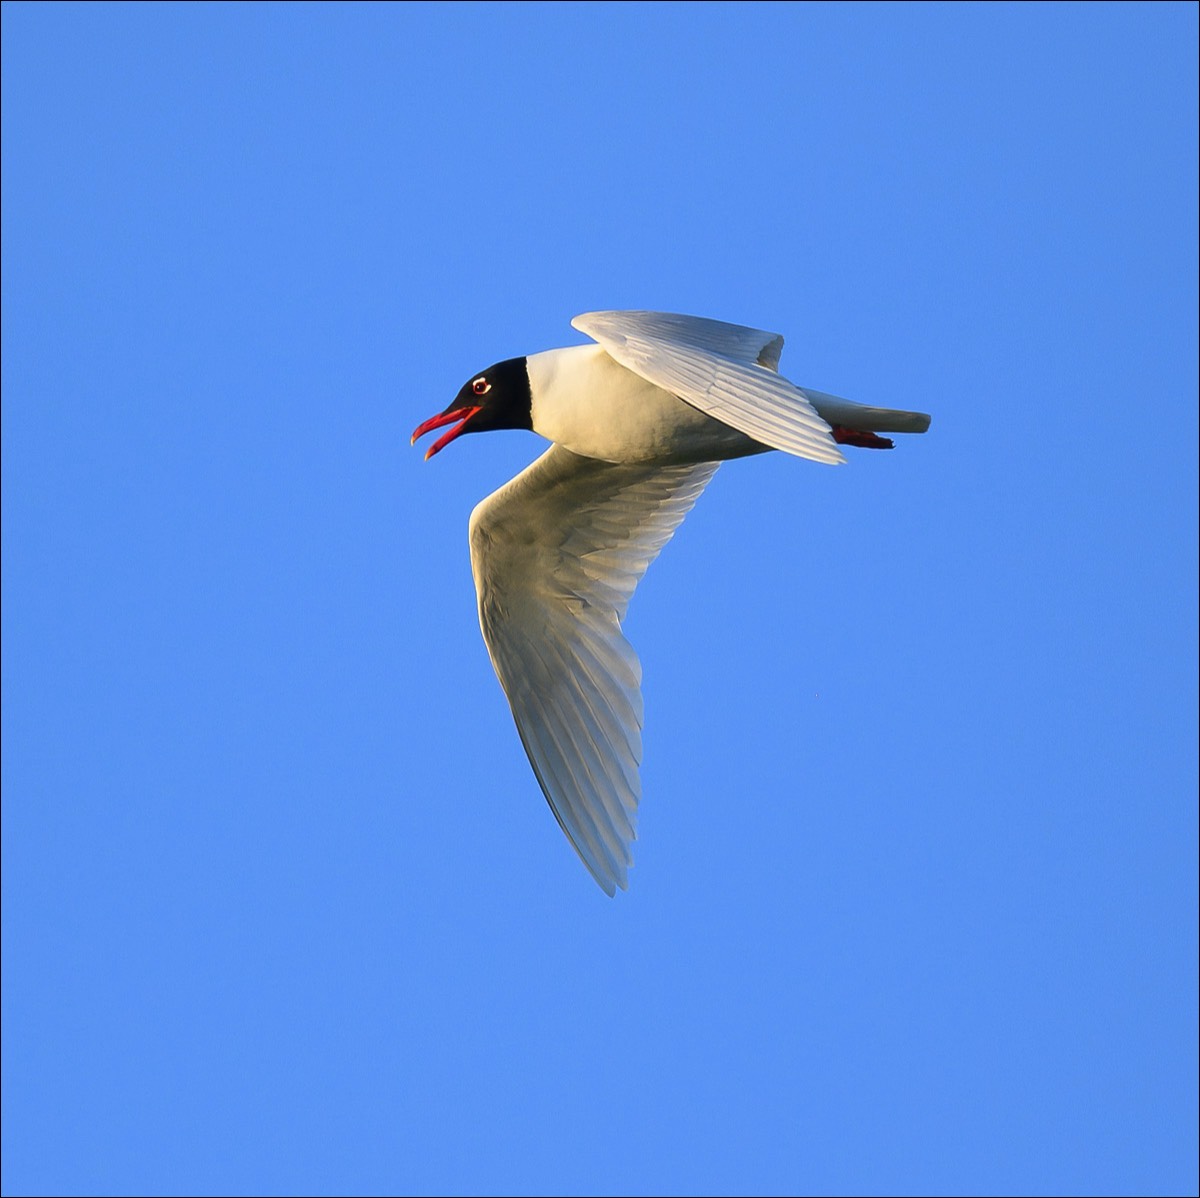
[(864, 418)]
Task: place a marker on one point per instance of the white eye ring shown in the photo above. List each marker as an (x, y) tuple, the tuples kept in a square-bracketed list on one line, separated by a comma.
[(481, 386)]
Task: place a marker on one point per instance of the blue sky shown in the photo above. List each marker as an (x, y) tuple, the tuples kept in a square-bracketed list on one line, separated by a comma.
[(914, 908)]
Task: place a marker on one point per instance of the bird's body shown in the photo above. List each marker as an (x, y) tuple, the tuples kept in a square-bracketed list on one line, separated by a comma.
[(586, 402), (639, 422)]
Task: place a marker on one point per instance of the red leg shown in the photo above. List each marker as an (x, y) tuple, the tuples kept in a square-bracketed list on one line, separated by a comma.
[(852, 436)]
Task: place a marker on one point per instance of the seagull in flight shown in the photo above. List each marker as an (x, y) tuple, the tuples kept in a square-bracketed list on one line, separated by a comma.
[(639, 420)]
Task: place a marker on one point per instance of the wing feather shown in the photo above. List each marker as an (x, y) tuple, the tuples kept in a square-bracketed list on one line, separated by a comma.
[(725, 370), (556, 554)]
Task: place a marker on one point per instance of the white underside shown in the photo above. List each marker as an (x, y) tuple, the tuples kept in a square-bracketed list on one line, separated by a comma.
[(601, 410)]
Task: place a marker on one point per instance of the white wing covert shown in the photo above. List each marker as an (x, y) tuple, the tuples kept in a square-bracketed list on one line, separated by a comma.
[(725, 370), (556, 554)]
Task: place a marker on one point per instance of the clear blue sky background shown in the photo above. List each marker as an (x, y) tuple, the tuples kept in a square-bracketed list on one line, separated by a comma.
[(915, 899)]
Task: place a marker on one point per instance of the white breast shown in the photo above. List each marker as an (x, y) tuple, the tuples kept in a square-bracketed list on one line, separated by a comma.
[(583, 400)]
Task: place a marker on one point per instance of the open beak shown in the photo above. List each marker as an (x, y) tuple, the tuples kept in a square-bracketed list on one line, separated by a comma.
[(455, 416)]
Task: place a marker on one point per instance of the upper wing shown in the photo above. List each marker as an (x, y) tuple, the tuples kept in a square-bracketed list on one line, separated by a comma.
[(556, 554), (727, 371)]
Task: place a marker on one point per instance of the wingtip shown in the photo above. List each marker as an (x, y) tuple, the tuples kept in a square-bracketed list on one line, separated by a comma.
[(610, 876), (831, 455), (609, 882)]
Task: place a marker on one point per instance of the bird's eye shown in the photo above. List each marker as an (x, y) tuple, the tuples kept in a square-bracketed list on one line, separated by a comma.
[(481, 386)]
